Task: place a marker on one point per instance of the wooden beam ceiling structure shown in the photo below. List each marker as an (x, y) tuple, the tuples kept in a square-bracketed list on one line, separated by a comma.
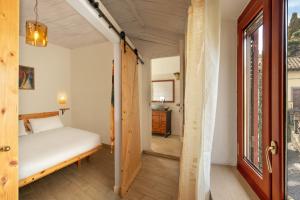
[(66, 27), (135, 12), (158, 23)]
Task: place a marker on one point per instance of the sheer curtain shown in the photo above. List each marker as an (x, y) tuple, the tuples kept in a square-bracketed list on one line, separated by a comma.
[(202, 71)]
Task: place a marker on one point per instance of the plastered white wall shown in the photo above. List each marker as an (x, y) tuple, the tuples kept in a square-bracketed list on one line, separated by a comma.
[(91, 80), (293, 82), (145, 104), (52, 77), (166, 65), (225, 136)]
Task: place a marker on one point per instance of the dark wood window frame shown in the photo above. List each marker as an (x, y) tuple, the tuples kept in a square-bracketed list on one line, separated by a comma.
[(274, 20), (259, 182)]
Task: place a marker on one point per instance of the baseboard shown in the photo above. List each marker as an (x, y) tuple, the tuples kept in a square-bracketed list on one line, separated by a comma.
[(106, 146), (152, 153), (117, 189)]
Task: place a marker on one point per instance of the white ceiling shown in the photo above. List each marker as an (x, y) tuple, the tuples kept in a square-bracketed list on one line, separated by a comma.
[(166, 65), (160, 23), (66, 27), (156, 26), (157, 21), (231, 9)]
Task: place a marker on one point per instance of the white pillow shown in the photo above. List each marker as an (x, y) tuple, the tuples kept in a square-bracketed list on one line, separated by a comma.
[(45, 124), (22, 129)]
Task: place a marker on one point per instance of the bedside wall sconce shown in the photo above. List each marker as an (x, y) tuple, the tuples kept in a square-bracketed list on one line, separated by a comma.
[(177, 75), (62, 101)]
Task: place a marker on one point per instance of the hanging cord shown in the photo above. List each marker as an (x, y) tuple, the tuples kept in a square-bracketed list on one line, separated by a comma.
[(36, 11)]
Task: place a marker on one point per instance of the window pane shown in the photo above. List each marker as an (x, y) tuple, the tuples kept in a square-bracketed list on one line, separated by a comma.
[(253, 49), (293, 100)]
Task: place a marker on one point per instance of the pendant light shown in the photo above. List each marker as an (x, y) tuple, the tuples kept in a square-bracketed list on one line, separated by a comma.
[(36, 32)]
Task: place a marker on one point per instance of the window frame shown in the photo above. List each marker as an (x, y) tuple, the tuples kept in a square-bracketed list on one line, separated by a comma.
[(260, 182)]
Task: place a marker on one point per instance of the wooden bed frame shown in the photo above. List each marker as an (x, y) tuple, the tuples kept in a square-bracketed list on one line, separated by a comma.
[(77, 159)]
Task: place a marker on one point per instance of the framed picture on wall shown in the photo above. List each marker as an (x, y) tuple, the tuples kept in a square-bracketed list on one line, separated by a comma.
[(26, 78)]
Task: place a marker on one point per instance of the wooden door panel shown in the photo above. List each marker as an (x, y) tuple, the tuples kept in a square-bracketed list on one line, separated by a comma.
[(131, 147), (9, 66)]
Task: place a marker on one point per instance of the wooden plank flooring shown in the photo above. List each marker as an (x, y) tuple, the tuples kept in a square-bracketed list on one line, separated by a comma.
[(158, 179), (168, 146)]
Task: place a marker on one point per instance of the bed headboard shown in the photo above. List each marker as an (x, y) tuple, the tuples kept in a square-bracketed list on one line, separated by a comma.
[(27, 117)]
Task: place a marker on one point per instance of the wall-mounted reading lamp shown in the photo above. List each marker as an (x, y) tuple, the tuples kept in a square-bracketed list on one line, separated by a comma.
[(62, 101)]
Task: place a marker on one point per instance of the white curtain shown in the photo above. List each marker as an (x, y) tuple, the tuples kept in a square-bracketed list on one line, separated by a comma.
[(202, 72)]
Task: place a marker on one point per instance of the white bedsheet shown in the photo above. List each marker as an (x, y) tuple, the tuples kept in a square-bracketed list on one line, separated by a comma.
[(39, 151)]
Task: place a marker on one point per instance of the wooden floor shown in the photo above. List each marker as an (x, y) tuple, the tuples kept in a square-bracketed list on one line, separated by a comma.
[(158, 179), (168, 146)]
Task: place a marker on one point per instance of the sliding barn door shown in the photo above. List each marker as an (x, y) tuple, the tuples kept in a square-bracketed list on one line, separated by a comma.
[(131, 147), (9, 65)]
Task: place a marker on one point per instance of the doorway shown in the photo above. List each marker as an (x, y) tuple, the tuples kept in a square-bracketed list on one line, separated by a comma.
[(167, 113)]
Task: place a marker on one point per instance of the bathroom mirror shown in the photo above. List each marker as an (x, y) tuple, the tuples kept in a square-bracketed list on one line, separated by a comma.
[(163, 91)]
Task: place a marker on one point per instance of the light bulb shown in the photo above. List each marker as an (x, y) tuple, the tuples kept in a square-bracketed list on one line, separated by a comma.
[(62, 100), (36, 35)]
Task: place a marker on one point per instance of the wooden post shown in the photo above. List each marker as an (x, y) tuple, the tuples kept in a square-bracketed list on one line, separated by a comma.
[(9, 65)]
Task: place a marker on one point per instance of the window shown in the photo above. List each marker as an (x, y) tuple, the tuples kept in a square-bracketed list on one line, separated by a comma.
[(253, 48)]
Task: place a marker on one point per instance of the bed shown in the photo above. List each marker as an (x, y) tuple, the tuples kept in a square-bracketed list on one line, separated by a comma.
[(45, 152)]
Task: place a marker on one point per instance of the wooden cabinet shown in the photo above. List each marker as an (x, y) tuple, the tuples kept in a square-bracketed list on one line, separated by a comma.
[(161, 122)]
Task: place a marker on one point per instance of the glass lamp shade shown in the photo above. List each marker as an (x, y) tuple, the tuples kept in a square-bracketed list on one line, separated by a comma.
[(36, 34), (62, 100)]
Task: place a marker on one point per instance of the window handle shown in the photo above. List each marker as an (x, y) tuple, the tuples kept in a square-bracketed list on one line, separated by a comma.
[(273, 150)]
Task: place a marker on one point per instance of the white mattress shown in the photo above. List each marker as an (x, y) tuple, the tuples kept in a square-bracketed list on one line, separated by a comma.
[(39, 151)]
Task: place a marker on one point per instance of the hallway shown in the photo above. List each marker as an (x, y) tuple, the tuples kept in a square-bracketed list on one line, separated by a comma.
[(168, 146)]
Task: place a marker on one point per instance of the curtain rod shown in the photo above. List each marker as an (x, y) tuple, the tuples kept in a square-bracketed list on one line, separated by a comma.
[(121, 34)]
